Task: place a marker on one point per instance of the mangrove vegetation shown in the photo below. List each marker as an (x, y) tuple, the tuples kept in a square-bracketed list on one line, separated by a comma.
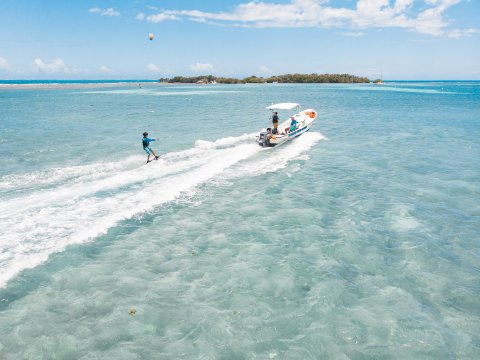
[(286, 79)]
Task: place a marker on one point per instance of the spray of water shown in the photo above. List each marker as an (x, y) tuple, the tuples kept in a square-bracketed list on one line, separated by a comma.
[(73, 205)]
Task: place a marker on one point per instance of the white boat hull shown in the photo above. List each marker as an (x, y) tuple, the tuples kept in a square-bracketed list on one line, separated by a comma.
[(305, 120)]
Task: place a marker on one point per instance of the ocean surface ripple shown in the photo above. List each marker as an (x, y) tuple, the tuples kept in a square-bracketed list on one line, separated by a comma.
[(357, 240)]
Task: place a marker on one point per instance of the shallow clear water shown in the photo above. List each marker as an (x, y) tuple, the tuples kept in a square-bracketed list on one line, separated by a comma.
[(357, 240)]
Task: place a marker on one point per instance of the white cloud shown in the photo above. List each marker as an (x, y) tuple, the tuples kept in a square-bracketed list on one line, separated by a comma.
[(104, 12), (105, 69), (56, 66), (353, 34), (161, 17), (457, 33), (140, 16), (427, 18), (110, 12), (153, 68), (4, 64), (201, 67), (264, 69), (204, 21)]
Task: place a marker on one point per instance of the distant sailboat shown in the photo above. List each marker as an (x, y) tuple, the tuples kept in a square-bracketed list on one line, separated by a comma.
[(379, 81)]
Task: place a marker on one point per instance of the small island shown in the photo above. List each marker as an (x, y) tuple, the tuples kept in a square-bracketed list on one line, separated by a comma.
[(286, 79)]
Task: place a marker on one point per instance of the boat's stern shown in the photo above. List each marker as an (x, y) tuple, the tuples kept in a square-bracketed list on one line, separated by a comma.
[(266, 139), (263, 139)]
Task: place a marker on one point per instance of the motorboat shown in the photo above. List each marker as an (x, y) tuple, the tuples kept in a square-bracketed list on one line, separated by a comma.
[(296, 125)]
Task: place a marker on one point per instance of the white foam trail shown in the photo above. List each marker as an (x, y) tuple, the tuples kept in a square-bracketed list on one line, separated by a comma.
[(71, 173), (83, 202), (278, 158), (226, 141)]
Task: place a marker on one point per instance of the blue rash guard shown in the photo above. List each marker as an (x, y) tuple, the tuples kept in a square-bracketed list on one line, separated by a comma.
[(293, 125), (146, 144)]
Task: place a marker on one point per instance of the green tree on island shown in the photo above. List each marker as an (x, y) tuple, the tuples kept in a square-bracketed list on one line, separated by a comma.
[(286, 78)]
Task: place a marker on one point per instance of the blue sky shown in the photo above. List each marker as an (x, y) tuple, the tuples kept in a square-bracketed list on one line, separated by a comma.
[(403, 39)]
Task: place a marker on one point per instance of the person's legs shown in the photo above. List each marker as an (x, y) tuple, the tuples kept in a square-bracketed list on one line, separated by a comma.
[(156, 157), (147, 150)]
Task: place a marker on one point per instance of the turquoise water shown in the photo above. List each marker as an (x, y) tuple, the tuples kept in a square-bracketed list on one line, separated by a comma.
[(357, 240)]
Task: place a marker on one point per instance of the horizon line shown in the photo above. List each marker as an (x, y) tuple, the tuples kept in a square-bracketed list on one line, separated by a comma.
[(157, 80)]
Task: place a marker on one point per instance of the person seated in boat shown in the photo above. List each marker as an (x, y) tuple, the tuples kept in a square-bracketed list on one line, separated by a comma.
[(265, 137), (269, 134), (293, 124)]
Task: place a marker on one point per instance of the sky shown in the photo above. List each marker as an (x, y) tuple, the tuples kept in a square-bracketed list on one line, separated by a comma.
[(88, 39)]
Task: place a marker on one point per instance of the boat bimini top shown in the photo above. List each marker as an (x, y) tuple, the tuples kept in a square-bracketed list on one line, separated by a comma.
[(284, 106)]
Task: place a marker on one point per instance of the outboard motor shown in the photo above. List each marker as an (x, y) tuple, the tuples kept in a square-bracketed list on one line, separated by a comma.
[(263, 140)]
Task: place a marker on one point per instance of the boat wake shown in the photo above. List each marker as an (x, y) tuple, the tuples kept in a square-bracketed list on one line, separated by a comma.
[(44, 212)]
